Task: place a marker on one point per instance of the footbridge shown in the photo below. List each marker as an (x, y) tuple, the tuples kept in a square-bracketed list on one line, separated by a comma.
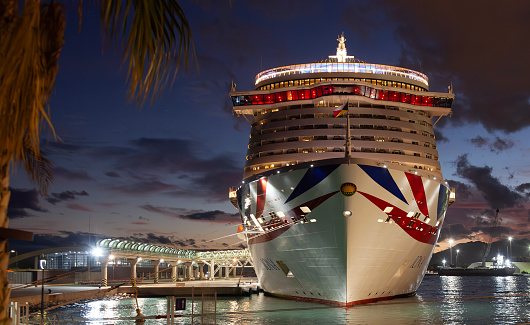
[(218, 264)]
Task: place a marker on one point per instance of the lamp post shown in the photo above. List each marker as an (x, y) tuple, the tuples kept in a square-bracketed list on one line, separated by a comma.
[(450, 252), (510, 252), (457, 251), (42, 264), (16, 255)]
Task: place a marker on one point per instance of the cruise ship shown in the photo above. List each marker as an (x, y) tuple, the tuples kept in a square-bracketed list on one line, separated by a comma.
[(342, 198)]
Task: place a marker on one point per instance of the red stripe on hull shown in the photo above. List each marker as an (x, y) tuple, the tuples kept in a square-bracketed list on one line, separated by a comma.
[(416, 185), (261, 196), (413, 227)]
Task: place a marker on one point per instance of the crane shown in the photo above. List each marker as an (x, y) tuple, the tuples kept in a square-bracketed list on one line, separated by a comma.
[(487, 246)]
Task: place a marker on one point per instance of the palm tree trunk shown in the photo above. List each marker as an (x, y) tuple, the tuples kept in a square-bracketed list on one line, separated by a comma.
[(4, 251)]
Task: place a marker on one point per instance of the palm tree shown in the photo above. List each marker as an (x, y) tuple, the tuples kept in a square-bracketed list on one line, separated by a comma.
[(154, 35)]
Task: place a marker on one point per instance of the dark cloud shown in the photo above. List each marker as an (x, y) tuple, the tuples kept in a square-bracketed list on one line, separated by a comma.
[(212, 216), (154, 239), (22, 200), (494, 231), (480, 142), (497, 195), (461, 189), (112, 174), (55, 198), (455, 232), (498, 145), (141, 185), (524, 188), (193, 172), (475, 47), (216, 215), (440, 138), (72, 175), (62, 239)]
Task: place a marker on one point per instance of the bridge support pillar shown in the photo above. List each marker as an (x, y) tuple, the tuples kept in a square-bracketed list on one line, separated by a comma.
[(104, 265), (212, 270), (190, 272), (201, 271), (173, 273), (133, 263), (234, 271), (156, 264)]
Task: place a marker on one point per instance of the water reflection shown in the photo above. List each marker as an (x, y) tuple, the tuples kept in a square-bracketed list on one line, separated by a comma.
[(507, 304), (100, 309), (452, 309), (440, 300)]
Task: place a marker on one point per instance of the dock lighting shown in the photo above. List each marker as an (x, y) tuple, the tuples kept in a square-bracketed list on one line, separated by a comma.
[(311, 165), (347, 213), (443, 261), (97, 251), (510, 253), (451, 250)]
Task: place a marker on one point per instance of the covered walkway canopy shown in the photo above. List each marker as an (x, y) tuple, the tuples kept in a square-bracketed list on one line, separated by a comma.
[(126, 248)]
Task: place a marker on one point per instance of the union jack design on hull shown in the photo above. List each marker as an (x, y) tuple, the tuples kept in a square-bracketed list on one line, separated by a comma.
[(313, 242)]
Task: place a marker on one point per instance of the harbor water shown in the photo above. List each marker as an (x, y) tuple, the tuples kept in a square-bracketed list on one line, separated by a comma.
[(439, 300)]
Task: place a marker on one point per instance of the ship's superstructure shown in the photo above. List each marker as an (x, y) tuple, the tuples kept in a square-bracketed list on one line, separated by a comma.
[(333, 220)]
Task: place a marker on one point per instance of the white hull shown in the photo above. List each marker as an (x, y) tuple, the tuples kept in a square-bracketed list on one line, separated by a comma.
[(346, 260)]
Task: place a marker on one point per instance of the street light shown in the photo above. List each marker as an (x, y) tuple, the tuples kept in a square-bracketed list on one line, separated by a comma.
[(16, 255), (457, 251), (42, 264), (510, 252), (451, 252)]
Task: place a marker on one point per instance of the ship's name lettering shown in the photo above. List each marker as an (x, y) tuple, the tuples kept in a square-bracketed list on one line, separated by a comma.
[(418, 262), (269, 264)]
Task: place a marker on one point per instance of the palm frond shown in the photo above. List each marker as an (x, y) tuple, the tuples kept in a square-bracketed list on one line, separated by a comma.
[(29, 48), (39, 168), (156, 37)]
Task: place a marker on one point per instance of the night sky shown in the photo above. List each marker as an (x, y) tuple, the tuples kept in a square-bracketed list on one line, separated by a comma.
[(161, 173)]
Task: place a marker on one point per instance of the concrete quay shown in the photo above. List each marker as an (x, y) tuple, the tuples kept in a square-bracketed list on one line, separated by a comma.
[(66, 294), (223, 287)]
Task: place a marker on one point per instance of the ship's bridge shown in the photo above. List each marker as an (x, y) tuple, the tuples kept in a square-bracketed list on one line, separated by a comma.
[(341, 65)]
